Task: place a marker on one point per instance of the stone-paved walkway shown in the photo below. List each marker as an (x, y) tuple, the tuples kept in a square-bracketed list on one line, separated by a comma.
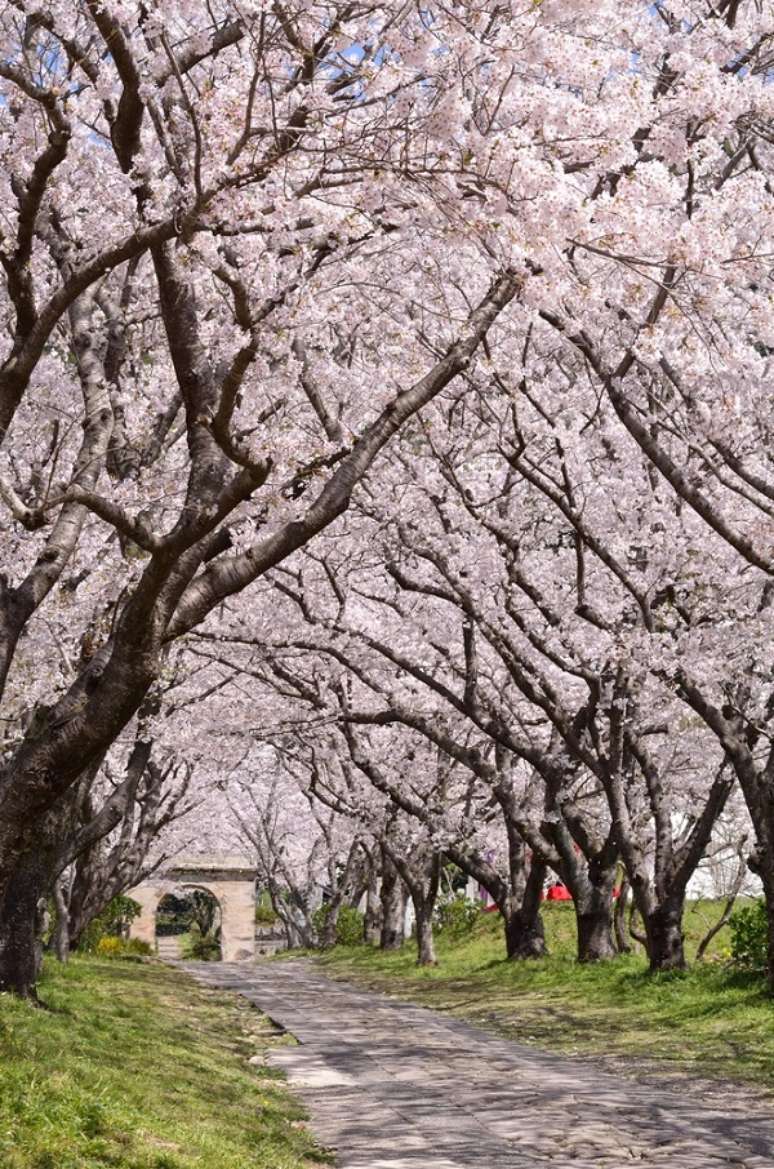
[(389, 1085)]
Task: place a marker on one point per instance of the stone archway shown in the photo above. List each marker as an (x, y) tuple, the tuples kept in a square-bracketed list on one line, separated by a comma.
[(230, 880)]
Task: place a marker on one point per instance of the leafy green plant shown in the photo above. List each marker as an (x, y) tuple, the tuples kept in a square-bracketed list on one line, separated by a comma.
[(457, 917), (264, 914), (113, 947), (202, 947), (749, 936), (349, 925), (205, 949), (114, 922)]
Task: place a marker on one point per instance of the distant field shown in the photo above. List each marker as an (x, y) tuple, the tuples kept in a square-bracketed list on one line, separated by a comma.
[(138, 1067), (711, 1021)]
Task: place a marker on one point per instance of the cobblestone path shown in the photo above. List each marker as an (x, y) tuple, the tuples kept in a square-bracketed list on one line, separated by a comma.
[(389, 1085)]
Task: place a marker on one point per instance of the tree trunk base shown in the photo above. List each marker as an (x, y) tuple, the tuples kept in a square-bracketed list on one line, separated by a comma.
[(21, 951), (524, 939), (595, 937), (666, 949)]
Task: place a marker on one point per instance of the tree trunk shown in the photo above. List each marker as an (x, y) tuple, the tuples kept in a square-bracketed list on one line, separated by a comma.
[(327, 939), (20, 949), (61, 939), (88, 898), (593, 900), (595, 934), (393, 931), (664, 929), (24, 894), (372, 921), (425, 941), (524, 934), (393, 898)]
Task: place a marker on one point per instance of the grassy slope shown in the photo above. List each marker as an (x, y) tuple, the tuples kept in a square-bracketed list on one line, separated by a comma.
[(138, 1067), (709, 1021)]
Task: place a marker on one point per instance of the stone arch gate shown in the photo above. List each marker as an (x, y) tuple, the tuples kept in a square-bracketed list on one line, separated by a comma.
[(230, 880)]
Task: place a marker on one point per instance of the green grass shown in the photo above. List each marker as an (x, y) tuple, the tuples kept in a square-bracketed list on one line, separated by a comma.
[(138, 1067), (711, 1021)]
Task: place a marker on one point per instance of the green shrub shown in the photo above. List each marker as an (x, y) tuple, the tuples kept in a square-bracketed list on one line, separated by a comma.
[(457, 917), (349, 926), (201, 947), (749, 936), (113, 947), (205, 949), (113, 922), (264, 914)]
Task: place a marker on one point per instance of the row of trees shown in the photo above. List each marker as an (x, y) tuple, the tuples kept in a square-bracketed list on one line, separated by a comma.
[(387, 383)]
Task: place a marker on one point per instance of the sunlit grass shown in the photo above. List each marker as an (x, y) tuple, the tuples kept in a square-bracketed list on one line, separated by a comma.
[(138, 1067)]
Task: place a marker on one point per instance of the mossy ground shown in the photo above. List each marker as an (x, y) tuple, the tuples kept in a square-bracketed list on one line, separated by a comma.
[(136, 1066), (711, 1020)]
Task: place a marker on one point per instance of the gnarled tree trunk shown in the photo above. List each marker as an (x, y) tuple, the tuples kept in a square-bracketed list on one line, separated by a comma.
[(20, 949), (593, 899), (393, 901), (664, 931), (595, 934), (524, 933), (425, 941)]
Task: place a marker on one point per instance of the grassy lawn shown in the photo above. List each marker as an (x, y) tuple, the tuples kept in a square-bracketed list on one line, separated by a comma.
[(138, 1067), (711, 1021)]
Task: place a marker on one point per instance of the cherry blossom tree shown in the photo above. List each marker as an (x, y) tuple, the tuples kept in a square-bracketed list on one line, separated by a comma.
[(197, 209), (553, 650), (244, 245)]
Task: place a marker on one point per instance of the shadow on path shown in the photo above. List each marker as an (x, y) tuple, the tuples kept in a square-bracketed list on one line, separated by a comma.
[(390, 1085)]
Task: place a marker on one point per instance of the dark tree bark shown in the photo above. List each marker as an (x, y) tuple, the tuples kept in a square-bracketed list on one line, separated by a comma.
[(592, 891), (23, 901), (658, 888), (425, 939), (20, 949), (524, 933), (393, 901), (421, 875), (664, 931), (595, 937)]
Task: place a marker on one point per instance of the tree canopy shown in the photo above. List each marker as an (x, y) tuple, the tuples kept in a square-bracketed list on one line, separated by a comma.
[(387, 385)]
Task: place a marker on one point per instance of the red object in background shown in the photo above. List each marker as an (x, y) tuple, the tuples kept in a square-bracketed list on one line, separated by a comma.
[(558, 893), (554, 893)]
